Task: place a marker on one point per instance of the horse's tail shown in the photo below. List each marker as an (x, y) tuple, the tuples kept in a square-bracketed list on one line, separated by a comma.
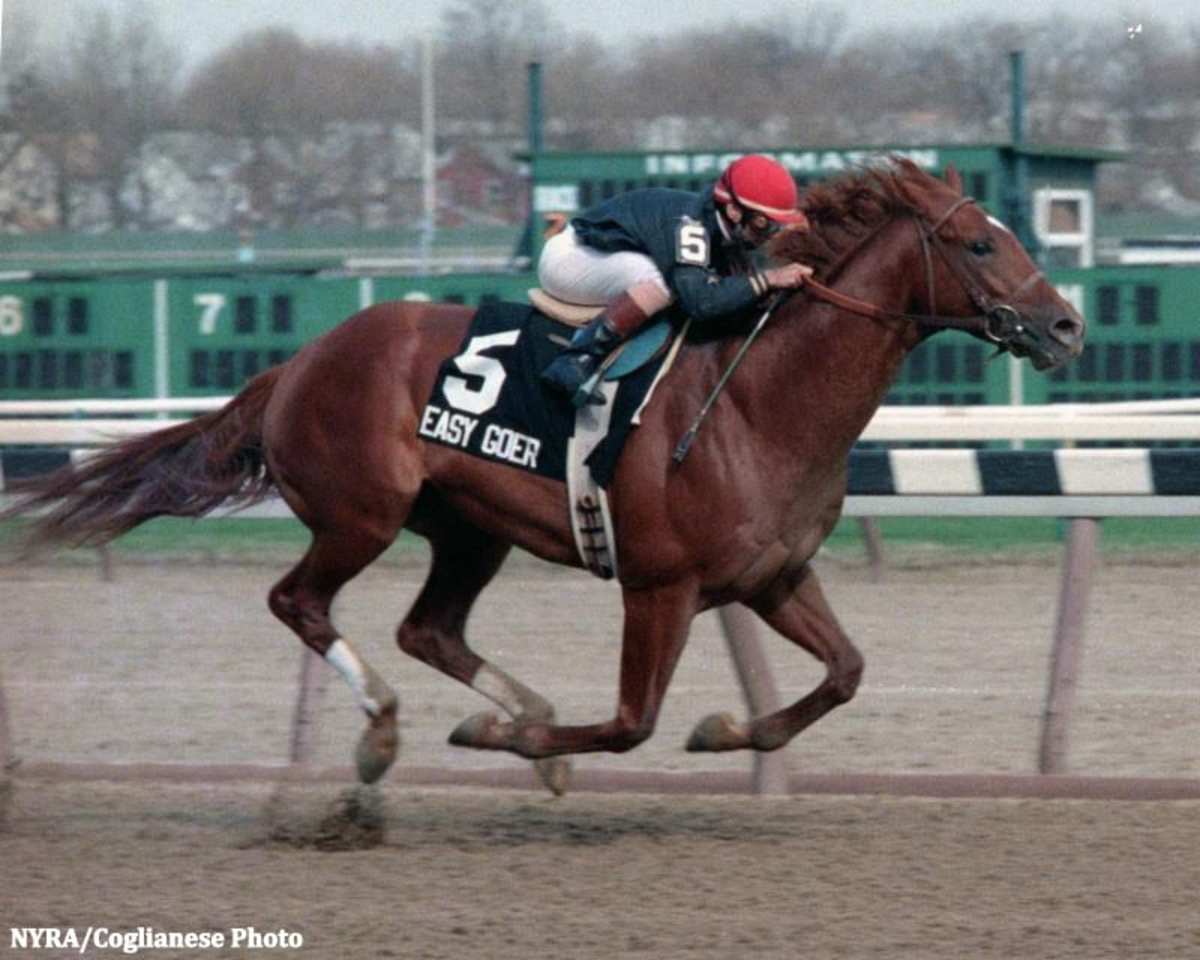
[(186, 470)]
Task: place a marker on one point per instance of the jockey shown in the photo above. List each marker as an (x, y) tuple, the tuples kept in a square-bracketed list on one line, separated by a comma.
[(642, 250)]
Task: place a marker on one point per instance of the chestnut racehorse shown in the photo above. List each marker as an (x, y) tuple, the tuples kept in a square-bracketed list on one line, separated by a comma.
[(898, 255)]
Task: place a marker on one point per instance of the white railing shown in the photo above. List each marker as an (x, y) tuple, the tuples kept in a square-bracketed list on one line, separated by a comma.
[(87, 422), (80, 423)]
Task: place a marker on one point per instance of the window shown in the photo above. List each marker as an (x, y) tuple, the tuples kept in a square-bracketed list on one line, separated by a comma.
[(77, 316), (43, 317), (945, 364), (918, 366), (123, 369), (973, 363), (1065, 216), (1107, 306), (978, 186), (454, 298), (250, 364), (587, 193), (1114, 362), (281, 313), (276, 357), (98, 369), (608, 189), (245, 314), (1171, 361), (1146, 305), (1143, 362), (24, 371), (3, 371), (1085, 366), (1063, 222), (223, 369), (198, 372), (1194, 360), (48, 369), (73, 370)]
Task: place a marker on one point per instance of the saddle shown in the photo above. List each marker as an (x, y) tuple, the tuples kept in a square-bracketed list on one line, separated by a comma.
[(572, 314)]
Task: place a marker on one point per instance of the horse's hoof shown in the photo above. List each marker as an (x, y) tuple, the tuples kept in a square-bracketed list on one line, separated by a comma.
[(555, 774), (477, 731), (716, 732), (376, 751)]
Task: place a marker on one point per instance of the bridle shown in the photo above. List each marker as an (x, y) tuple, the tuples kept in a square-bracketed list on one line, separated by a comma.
[(998, 320)]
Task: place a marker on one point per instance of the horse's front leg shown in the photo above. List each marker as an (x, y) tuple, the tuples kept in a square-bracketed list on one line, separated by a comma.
[(656, 629), (798, 610)]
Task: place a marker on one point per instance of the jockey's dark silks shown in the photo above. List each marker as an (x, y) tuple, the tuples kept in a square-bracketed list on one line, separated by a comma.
[(710, 273), (659, 247)]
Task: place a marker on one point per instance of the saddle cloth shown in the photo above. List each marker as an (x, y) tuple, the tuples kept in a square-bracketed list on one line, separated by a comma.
[(489, 401)]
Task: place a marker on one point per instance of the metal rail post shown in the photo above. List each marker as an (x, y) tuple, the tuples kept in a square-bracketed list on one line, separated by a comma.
[(1067, 654), (758, 686), (873, 541), (6, 756), (7, 761), (310, 693)]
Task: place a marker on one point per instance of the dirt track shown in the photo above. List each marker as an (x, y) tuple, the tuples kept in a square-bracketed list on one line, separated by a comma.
[(483, 875), (185, 664)]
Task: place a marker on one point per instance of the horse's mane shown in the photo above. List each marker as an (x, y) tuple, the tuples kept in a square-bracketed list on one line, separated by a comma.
[(846, 211)]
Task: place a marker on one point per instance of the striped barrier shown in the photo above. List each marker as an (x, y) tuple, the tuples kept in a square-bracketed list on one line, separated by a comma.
[(907, 472), (1063, 472), (1063, 483)]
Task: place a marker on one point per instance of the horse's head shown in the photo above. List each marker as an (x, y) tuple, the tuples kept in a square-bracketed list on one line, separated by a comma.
[(975, 266)]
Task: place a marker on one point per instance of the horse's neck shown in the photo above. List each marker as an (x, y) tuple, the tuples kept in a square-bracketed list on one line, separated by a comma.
[(832, 368)]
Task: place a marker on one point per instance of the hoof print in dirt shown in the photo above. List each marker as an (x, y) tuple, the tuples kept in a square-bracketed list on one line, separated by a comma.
[(354, 822)]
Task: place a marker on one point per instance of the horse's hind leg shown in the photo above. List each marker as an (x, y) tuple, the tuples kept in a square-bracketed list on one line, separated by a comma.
[(800, 612), (464, 561), (656, 628), (303, 599)]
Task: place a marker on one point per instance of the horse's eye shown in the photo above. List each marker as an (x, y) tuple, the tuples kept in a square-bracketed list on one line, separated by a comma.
[(981, 248)]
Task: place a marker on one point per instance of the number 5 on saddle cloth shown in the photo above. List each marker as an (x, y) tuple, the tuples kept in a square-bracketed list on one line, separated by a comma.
[(489, 401)]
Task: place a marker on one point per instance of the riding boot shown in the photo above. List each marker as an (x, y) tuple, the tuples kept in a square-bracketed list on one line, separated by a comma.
[(571, 370), (574, 371)]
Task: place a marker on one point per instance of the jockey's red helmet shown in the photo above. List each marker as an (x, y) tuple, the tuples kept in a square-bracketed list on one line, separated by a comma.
[(761, 184)]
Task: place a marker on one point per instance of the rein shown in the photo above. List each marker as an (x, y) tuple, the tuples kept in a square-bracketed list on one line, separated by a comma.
[(998, 321)]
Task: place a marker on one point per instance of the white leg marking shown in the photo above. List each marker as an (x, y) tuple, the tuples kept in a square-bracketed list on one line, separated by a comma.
[(492, 685), (342, 657)]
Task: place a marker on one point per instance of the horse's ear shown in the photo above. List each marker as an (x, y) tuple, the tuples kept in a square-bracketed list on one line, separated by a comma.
[(954, 178)]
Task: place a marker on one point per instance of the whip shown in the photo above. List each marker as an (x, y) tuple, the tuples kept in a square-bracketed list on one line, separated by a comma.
[(685, 442)]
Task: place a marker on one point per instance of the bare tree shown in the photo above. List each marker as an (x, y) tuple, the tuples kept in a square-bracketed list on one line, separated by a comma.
[(764, 85), (317, 128), (311, 115), (482, 51), (119, 78)]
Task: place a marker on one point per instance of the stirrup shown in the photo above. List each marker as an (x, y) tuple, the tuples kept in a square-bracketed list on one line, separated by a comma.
[(589, 392)]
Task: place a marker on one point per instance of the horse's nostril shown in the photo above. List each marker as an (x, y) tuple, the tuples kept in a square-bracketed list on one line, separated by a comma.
[(1067, 329)]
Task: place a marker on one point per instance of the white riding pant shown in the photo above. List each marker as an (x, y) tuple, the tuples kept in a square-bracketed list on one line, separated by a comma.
[(576, 273)]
